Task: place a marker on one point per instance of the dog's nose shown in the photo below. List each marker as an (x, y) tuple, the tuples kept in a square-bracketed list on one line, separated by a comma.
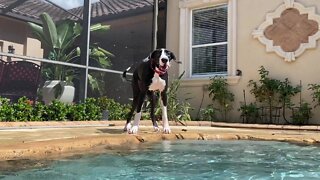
[(164, 60)]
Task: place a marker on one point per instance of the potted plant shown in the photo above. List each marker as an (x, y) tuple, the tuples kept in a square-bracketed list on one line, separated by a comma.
[(59, 39), (103, 104)]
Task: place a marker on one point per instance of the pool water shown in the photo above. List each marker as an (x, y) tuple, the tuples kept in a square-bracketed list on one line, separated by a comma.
[(188, 160)]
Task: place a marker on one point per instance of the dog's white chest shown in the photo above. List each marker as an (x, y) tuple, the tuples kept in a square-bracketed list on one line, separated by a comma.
[(157, 83)]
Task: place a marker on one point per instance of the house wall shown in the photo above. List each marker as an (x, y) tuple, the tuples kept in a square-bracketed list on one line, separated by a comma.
[(17, 33), (250, 55)]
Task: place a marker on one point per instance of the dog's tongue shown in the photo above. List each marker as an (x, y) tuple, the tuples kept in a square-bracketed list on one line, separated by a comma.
[(163, 68)]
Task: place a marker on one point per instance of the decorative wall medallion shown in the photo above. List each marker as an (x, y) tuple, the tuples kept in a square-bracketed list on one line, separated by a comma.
[(289, 30)]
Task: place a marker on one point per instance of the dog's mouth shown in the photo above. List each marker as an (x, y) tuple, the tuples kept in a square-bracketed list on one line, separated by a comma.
[(163, 68)]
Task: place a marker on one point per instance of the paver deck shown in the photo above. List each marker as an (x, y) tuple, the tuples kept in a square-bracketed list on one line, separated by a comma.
[(43, 140)]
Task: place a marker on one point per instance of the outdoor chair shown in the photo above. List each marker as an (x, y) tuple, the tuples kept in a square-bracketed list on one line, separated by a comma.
[(2, 65), (20, 78)]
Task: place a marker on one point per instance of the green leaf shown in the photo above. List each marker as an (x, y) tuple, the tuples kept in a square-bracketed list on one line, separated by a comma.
[(38, 32), (93, 82), (65, 34), (99, 28), (49, 29)]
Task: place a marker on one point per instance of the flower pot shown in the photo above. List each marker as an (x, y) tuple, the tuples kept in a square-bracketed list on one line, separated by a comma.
[(49, 92), (105, 115)]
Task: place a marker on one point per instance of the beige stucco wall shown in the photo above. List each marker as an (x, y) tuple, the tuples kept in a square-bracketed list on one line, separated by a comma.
[(17, 33), (251, 54)]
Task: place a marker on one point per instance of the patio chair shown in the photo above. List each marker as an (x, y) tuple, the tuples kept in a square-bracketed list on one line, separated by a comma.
[(2, 65), (20, 78)]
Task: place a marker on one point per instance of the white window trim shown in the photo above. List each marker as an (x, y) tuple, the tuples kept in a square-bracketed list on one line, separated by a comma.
[(185, 44)]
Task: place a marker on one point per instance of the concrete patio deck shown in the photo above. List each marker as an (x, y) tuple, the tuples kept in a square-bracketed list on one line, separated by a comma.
[(50, 140)]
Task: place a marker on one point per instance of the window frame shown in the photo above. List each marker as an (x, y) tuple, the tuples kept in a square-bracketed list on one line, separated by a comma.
[(205, 45), (185, 41)]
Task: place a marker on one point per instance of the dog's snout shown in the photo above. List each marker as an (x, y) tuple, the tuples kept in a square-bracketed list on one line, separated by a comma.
[(164, 60)]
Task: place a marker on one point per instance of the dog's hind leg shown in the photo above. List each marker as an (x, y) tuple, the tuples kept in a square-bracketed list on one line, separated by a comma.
[(165, 121), (152, 98), (134, 104), (135, 126)]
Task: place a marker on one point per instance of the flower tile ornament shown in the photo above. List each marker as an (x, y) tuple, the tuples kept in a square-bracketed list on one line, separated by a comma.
[(289, 30)]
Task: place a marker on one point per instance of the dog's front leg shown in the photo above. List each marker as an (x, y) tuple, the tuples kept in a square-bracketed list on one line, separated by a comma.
[(152, 98), (165, 121), (135, 126)]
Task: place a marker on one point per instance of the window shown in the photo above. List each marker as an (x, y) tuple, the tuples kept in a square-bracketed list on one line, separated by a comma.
[(207, 42), (210, 41)]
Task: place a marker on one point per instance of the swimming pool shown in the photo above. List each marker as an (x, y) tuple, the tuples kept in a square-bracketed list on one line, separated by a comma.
[(188, 160)]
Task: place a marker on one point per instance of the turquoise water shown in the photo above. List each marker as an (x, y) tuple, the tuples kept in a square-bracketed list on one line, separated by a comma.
[(188, 160)]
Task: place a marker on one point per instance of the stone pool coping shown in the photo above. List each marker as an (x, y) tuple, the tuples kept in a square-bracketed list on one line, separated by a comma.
[(50, 140)]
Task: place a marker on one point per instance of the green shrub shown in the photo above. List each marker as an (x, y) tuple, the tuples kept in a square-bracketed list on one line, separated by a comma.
[(92, 109), (209, 113), (57, 111), (249, 112), (219, 92), (23, 110), (115, 109), (6, 110), (77, 112), (315, 88), (302, 114), (39, 111)]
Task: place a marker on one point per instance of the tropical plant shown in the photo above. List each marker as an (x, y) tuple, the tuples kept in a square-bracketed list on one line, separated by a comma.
[(219, 92), (60, 38)]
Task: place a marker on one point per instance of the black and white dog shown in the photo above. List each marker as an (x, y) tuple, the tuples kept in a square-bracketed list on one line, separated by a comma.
[(150, 76)]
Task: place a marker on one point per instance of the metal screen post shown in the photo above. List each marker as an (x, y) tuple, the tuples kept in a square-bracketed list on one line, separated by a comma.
[(155, 24), (84, 57)]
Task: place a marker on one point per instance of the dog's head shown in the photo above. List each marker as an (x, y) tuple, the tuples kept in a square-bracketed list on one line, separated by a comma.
[(161, 58)]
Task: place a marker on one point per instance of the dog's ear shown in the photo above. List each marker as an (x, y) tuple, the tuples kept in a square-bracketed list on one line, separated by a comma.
[(153, 55), (172, 56)]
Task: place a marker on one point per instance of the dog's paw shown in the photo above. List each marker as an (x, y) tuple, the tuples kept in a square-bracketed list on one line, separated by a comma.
[(156, 129), (127, 127), (166, 130), (133, 130)]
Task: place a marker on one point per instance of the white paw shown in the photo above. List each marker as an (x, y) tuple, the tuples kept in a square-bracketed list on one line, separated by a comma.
[(127, 127), (133, 130), (166, 130), (156, 128)]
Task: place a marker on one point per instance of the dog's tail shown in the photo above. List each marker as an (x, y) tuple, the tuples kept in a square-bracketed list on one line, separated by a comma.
[(124, 74)]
